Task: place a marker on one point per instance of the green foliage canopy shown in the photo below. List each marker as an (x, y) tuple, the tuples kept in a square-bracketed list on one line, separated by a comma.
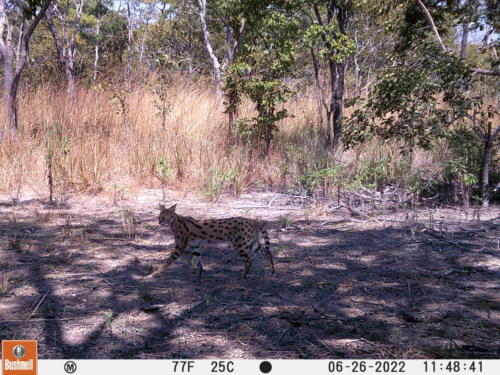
[(416, 99)]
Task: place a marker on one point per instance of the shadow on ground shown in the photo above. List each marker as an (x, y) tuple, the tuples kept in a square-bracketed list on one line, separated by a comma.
[(341, 290)]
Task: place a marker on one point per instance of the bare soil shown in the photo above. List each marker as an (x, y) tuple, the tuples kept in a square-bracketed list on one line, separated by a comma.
[(413, 284)]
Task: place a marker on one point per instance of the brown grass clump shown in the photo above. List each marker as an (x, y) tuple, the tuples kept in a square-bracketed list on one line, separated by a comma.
[(110, 139)]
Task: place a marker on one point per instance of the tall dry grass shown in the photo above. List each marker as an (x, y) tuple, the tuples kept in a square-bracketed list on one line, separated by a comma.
[(108, 139)]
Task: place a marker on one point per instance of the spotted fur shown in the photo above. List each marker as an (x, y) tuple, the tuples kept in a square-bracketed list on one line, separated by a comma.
[(242, 233)]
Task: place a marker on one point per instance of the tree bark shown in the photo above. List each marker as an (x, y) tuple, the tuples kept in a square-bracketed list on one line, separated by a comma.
[(489, 140), (322, 104), (208, 45), (432, 24), (357, 70), (335, 107), (495, 71), (96, 50), (485, 171), (7, 50), (492, 72), (331, 110), (338, 114), (66, 61), (65, 41), (465, 41), (231, 92), (10, 121), (129, 45), (10, 95)]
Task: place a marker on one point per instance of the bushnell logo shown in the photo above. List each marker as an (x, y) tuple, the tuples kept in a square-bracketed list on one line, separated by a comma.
[(19, 351), (19, 357)]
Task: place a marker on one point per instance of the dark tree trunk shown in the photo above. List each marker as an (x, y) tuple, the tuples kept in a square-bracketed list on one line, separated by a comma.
[(339, 106), (265, 130), (12, 101), (232, 101), (339, 90), (267, 139), (321, 95), (335, 107), (330, 132), (12, 75), (485, 168)]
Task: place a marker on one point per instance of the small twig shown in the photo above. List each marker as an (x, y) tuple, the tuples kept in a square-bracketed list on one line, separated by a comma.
[(441, 238), (364, 221), (36, 308), (272, 200), (323, 314), (34, 320), (323, 344), (338, 222), (267, 207)]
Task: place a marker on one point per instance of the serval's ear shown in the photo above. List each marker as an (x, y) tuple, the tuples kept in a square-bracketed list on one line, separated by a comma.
[(172, 208), (161, 207)]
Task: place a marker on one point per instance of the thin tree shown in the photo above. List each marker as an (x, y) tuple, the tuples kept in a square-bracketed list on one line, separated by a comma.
[(233, 16), (14, 57), (208, 45), (481, 120), (327, 38), (65, 39)]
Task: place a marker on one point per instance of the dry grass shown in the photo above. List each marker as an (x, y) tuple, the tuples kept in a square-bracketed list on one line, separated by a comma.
[(4, 284), (110, 140)]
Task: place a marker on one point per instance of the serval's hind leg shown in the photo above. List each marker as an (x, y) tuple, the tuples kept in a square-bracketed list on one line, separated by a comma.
[(267, 249), (244, 254), (196, 256)]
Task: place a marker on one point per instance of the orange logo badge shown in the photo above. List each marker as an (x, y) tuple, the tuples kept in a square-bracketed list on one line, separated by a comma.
[(19, 357)]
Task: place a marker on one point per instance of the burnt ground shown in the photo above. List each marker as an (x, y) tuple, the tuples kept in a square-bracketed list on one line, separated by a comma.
[(416, 284)]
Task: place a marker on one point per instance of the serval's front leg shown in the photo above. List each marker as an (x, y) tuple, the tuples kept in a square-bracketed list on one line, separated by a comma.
[(180, 246)]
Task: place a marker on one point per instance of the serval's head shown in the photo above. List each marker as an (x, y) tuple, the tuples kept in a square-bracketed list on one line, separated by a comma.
[(167, 215)]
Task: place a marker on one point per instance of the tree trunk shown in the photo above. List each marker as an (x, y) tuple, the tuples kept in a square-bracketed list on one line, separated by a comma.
[(129, 45), (485, 171), (208, 45), (357, 69), (334, 109), (96, 50), (72, 46), (66, 43), (489, 140), (64, 57), (322, 104), (10, 121), (12, 76), (331, 110), (465, 41), (232, 102), (339, 106), (231, 90), (431, 23), (10, 105), (268, 133), (339, 91), (143, 42)]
